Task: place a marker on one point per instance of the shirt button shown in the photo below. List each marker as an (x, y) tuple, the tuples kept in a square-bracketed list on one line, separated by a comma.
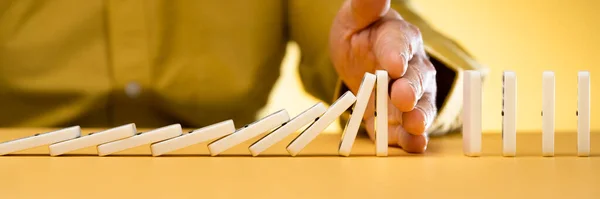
[(133, 89)]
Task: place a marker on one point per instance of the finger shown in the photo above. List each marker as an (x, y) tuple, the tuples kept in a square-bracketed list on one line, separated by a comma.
[(411, 143), (394, 120), (417, 121), (406, 91), (355, 15), (392, 134), (395, 43), (394, 115)]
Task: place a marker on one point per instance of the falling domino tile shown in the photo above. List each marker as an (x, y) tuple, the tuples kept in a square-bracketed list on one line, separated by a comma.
[(509, 113), (250, 131), (317, 117), (381, 113), (583, 114), (306, 117), (93, 139), (140, 139), (335, 110), (40, 140), (472, 113), (204, 134), (548, 103), (362, 99)]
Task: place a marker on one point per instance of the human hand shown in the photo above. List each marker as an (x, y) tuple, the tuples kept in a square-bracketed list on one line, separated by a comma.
[(366, 36)]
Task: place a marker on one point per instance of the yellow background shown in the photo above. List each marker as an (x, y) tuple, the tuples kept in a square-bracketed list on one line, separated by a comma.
[(527, 37)]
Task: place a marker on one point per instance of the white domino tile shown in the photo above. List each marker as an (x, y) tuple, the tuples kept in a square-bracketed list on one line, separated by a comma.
[(472, 113), (93, 139), (509, 114), (140, 139), (39, 140), (248, 132), (305, 118), (353, 124), (204, 134), (381, 113), (548, 104), (309, 134), (583, 114)]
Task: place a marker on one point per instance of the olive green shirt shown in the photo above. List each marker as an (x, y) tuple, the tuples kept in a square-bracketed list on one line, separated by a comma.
[(99, 63)]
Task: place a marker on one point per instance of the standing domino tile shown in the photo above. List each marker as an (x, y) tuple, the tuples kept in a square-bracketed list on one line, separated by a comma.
[(204, 134), (39, 140), (381, 113), (93, 139), (362, 99), (306, 117), (548, 101), (140, 139), (472, 113), (509, 113), (583, 114), (250, 131), (335, 110)]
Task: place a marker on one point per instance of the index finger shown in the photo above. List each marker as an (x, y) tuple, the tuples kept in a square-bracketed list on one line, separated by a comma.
[(395, 43)]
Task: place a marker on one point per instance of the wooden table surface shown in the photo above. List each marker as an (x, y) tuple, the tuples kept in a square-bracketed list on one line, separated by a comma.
[(441, 172)]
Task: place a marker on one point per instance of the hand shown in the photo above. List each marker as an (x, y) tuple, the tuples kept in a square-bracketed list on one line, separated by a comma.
[(366, 36)]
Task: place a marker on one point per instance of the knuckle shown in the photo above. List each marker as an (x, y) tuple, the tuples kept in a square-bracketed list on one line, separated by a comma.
[(431, 103), (414, 29), (428, 106), (419, 81), (429, 66), (415, 33), (430, 73)]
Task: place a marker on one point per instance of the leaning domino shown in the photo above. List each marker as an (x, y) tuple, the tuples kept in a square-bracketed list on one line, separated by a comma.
[(362, 99), (140, 139), (204, 134), (381, 113), (306, 117), (39, 140), (93, 139), (509, 113), (472, 113), (335, 110), (250, 131), (583, 114), (548, 103)]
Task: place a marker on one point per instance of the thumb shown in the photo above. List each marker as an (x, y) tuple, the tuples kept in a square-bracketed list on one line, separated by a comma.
[(358, 14)]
